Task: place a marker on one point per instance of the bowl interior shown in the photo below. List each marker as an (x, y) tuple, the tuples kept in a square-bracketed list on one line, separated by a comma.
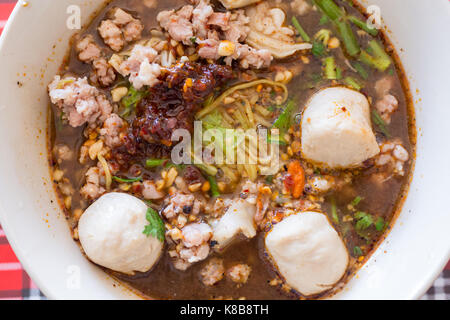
[(403, 266)]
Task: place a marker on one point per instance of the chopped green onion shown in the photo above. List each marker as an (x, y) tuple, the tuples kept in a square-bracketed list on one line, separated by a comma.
[(357, 251), (363, 26), (209, 169), (334, 213), (300, 30), (356, 201), (330, 8), (153, 163), (337, 15), (330, 68), (361, 71), (352, 83), (348, 38), (380, 123), (375, 56), (214, 187), (121, 180)]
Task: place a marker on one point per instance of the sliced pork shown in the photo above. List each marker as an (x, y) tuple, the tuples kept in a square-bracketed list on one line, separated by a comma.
[(120, 30), (80, 102)]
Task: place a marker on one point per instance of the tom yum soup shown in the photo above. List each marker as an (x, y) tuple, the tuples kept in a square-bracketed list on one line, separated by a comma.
[(231, 149)]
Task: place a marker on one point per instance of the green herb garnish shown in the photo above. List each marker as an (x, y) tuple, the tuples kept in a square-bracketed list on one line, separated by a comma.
[(330, 72), (357, 252), (318, 49), (375, 56), (363, 26), (339, 19), (214, 187), (300, 30), (380, 224), (156, 226), (376, 118), (351, 44), (154, 163), (353, 83), (122, 180), (330, 9), (365, 220), (356, 201), (361, 71)]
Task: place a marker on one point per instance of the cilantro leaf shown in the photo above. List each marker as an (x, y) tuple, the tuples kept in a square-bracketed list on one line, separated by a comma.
[(156, 226), (214, 187), (379, 224), (365, 220), (318, 49)]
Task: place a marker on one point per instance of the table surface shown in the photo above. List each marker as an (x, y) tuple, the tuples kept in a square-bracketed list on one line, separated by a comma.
[(16, 284)]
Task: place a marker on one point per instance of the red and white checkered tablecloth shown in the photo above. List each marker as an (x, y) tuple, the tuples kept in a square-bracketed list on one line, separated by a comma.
[(6, 7), (16, 284)]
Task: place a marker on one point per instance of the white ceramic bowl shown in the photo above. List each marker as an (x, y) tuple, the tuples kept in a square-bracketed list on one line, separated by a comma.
[(31, 50)]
